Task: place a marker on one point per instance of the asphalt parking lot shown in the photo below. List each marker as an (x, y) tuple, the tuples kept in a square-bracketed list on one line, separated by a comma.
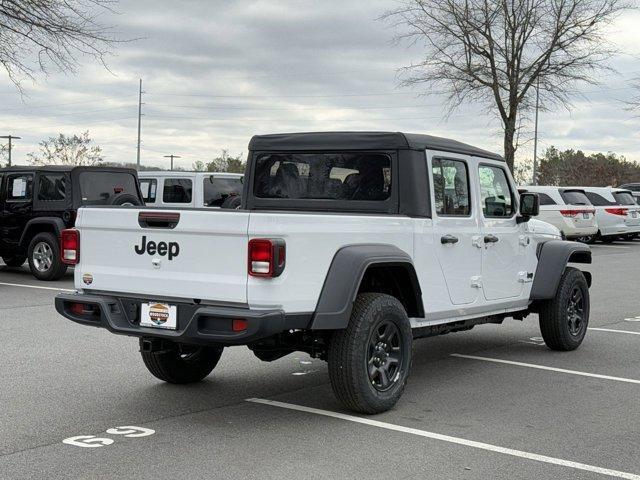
[(493, 402)]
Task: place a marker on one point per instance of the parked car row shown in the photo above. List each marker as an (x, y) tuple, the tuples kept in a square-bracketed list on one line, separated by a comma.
[(589, 213)]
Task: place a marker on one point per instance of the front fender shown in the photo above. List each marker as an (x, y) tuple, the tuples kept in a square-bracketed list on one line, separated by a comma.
[(553, 257)]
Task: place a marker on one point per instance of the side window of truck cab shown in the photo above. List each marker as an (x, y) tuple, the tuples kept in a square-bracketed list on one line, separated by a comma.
[(177, 191), (451, 187), (496, 195)]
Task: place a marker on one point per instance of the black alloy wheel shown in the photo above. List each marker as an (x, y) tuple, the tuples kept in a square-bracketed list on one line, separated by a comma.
[(575, 312), (385, 359)]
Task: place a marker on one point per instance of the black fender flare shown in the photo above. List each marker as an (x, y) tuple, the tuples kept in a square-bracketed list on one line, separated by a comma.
[(343, 279), (55, 222), (553, 257)]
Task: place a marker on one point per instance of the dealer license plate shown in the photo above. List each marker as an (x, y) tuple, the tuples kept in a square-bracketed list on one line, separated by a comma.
[(159, 315)]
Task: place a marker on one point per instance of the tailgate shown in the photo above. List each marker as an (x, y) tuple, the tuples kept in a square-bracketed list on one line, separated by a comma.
[(188, 254), (585, 218), (633, 217)]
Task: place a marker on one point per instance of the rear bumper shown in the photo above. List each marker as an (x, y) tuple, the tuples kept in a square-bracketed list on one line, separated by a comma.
[(197, 324), (577, 232), (620, 229)]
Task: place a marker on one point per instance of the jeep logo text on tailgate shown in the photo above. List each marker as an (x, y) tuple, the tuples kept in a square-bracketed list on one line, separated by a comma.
[(172, 249)]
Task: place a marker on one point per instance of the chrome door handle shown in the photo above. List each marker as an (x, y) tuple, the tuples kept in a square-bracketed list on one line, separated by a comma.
[(491, 239), (445, 239)]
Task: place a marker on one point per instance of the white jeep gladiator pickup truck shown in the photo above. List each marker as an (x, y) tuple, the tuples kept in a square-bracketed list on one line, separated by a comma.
[(347, 246)]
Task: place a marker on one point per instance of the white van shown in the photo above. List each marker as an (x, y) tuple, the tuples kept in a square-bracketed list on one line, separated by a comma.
[(617, 213), (569, 209), (191, 189)]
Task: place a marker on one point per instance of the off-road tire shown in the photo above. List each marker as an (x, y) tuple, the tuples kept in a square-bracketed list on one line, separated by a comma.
[(181, 364), (57, 268), (349, 353), (555, 317), (14, 261)]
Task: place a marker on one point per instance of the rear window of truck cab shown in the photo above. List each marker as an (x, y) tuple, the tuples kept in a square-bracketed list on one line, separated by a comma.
[(102, 188), (323, 176)]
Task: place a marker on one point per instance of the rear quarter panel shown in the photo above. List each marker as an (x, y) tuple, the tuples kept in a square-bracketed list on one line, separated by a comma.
[(312, 241)]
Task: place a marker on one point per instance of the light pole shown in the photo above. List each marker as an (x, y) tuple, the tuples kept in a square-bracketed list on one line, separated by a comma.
[(140, 92), (534, 180), (10, 137), (172, 156)]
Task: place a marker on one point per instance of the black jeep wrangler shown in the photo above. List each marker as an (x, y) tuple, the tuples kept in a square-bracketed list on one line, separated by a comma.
[(37, 203)]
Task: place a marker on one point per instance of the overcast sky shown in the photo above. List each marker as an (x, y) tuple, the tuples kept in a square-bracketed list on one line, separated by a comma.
[(216, 72)]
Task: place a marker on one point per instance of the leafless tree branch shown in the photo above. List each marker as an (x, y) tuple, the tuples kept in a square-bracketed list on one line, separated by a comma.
[(495, 51), (38, 35)]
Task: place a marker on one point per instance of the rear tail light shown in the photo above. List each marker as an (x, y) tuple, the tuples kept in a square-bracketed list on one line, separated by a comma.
[(239, 325), (70, 246), (617, 211), (576, 213), (84, 309), (570, 213), (266, 257)]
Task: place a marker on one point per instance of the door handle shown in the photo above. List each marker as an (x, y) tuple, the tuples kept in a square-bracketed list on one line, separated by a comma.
[(448, 239), (491, 239)]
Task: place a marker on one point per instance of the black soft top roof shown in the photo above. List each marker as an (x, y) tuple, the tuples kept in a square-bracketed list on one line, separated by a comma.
[(318, 141), (63, 168)]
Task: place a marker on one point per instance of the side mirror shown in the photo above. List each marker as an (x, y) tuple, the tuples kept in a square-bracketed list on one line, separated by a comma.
[(529, 206)]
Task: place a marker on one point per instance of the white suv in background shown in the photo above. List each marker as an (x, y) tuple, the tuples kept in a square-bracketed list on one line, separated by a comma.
[(617, 213), (191, 189), (568, 209)]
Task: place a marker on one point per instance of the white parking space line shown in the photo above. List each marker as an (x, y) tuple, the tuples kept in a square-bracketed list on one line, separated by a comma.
[(614, 330), (449, 439), (37, 287), (609, 246), (551, 369)]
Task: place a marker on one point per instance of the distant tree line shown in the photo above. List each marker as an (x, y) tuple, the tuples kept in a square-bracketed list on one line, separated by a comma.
[(222, 163), (574, 167)]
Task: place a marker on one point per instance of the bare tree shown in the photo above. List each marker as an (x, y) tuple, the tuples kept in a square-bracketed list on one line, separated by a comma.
[(496, 51), (36, 35), (67, 150)]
